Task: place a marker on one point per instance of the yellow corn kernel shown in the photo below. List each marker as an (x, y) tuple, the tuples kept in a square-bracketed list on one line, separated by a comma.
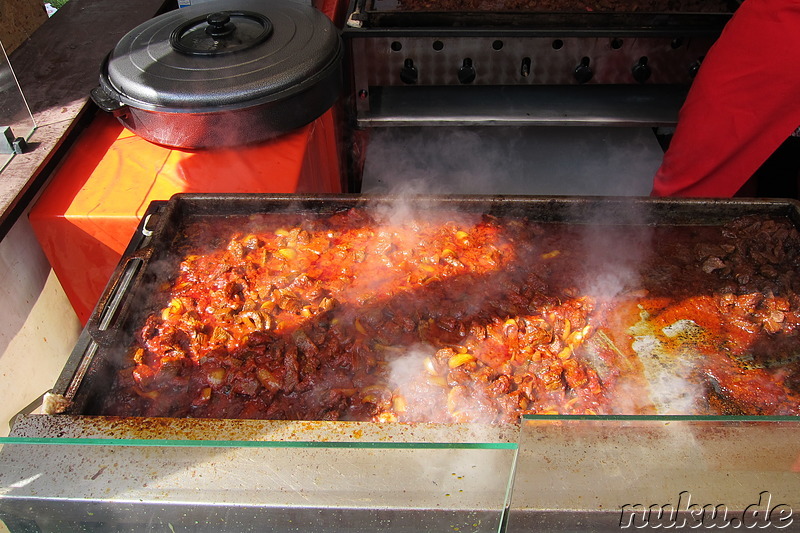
[(439, 381), (288, 253), (399, 404), (551, 255), (280, 232), (217, 376), (567, 329), (510, 327), (387, 417), (565, 353), (447, 252), (463, 235), (175, 307), (430, 366), (452, 400), (578, 337), (460, 359)]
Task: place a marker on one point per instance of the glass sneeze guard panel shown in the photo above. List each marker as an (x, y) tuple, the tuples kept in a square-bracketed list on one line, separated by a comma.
[(16, 121), (558, 473), (67, 473), (607, 473)]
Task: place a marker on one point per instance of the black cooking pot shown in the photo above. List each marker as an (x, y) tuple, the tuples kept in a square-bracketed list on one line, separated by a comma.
[(223, 73)]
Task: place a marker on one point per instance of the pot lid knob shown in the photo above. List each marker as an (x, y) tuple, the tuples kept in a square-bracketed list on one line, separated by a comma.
[(221, 32), (219, 25)]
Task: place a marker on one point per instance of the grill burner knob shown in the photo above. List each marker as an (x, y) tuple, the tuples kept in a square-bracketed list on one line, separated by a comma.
[(466, 74), (409, 73), (641, 70), (525, 69), (583, 72), (694, 68)]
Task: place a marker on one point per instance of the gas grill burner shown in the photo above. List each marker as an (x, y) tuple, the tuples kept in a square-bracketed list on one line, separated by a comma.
[(527, 62)]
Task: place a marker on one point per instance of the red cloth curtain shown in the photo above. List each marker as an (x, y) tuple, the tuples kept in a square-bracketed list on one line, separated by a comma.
[(743, 104)]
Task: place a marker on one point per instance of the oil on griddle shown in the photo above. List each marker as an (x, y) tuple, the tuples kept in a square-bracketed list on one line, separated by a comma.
[(452, 317)]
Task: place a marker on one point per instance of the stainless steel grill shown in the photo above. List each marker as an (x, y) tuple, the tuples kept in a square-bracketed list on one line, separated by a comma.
[(511, 67)]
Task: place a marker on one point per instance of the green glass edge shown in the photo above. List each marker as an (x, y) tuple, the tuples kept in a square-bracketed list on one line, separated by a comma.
[(176, 443), (662, 418)]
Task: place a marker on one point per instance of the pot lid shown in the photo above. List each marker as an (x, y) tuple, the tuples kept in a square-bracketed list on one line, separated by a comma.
[(222, 54)]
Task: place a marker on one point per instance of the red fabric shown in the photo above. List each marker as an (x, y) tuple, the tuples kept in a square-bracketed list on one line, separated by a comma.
[(334, 9), (743, 104)]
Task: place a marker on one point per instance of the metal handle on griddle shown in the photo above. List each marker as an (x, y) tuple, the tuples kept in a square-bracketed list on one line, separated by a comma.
[(98, 333), (99, 330), (109, 308), (60, 398), (109, 311)]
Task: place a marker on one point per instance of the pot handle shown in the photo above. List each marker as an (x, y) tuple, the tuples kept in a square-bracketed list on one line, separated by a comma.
[(107, 102)]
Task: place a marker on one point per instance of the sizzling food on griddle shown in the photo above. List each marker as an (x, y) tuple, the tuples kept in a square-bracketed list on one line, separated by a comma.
[(451, 317)]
